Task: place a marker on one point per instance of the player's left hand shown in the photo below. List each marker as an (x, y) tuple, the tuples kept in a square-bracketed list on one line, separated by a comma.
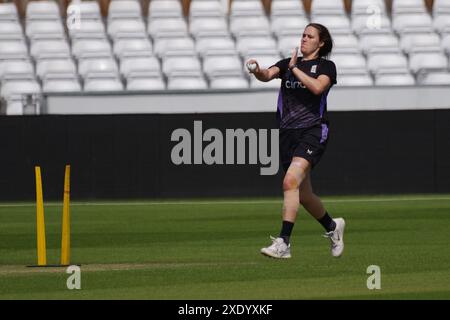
[(294, 56)]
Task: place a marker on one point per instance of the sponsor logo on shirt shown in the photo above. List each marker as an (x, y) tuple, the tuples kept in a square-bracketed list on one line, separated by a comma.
[(294, 84), (314, 68)]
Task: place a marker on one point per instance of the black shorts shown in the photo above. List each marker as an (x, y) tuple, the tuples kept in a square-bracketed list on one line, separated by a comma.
[(308, 143)]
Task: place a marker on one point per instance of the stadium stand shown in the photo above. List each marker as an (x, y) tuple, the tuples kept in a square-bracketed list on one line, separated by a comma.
[(434, 78), (208, 27), (200, 44), (88, 10), (327, 8), (210, 46), (347, 43), (287, 8), (42, 10)]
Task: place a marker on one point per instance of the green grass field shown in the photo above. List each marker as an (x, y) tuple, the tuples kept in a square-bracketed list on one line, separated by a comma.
[(206, 249)]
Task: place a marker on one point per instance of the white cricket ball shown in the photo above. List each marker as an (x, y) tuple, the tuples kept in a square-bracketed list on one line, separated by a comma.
[(251, 66)]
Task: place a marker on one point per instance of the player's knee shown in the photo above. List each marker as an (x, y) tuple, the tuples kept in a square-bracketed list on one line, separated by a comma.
[(290, 182)]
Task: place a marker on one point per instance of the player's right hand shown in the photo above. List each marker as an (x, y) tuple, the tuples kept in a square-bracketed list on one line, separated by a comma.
[(252, 66)]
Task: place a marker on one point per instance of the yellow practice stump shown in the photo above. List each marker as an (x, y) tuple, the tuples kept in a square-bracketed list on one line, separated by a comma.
[(65, 238), (40, 223)]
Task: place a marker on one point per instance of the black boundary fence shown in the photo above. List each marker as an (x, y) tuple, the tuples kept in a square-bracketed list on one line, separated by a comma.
[(129, 156)]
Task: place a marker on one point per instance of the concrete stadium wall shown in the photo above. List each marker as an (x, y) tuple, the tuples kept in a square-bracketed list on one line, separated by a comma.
[(255, 100), (128, 156)]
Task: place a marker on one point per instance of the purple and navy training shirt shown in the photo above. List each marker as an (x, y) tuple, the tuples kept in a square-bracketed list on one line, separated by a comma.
[(297, 106)]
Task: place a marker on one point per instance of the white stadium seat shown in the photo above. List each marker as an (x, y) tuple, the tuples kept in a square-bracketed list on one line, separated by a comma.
[(42, 10), (441, 7), (379, 43), (435, 78), (215, 46), (346, 44), (61, 85), (441, 23), (387, 63), (206, 9), (56, 69), (96, 85), (50, 49), (368, 7), (425, 42), (187, 83), (166, 28), (123, 9), (219, 66), (164, 9), (132, 48), (83, 49), (11, 30), (8, 12), (336, 24), (363, 79), (174, 47), (179, 47), (256, 46), (90, 29), (97, 68), (17, 70), (244, 9), (87, 10), (264, 61), (140, 67), (349, 63), (405, 79), (446, 43), (45, 30), (230, 83), (13, 50), (256, 84), (362, 25), (288, 26), (284, 8), (408, 7), (327, 7), (125, 28), (181, 66), (250, 26), (209, 27), (412, 23), (421, 62), (145, 84)]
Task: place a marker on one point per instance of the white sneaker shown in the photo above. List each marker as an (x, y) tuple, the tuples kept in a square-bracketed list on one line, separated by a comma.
[(337, 237), (279, 249)]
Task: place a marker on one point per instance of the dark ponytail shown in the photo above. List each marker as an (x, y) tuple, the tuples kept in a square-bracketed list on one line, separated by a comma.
[(325, 37)]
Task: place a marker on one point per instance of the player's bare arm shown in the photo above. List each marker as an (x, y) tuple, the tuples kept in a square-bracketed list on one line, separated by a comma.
[(316, 86), (261, 74)]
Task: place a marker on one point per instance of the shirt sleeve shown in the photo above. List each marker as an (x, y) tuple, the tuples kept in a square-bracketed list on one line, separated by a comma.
[(328, 68), (283, 66)]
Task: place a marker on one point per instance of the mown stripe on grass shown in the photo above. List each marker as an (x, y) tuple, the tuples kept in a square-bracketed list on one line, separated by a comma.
[(7, 270), (226, 202)]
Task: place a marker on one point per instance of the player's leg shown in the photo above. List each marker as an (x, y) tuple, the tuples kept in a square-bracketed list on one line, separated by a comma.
[(334, 227), (312, 203), (296, 172)]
